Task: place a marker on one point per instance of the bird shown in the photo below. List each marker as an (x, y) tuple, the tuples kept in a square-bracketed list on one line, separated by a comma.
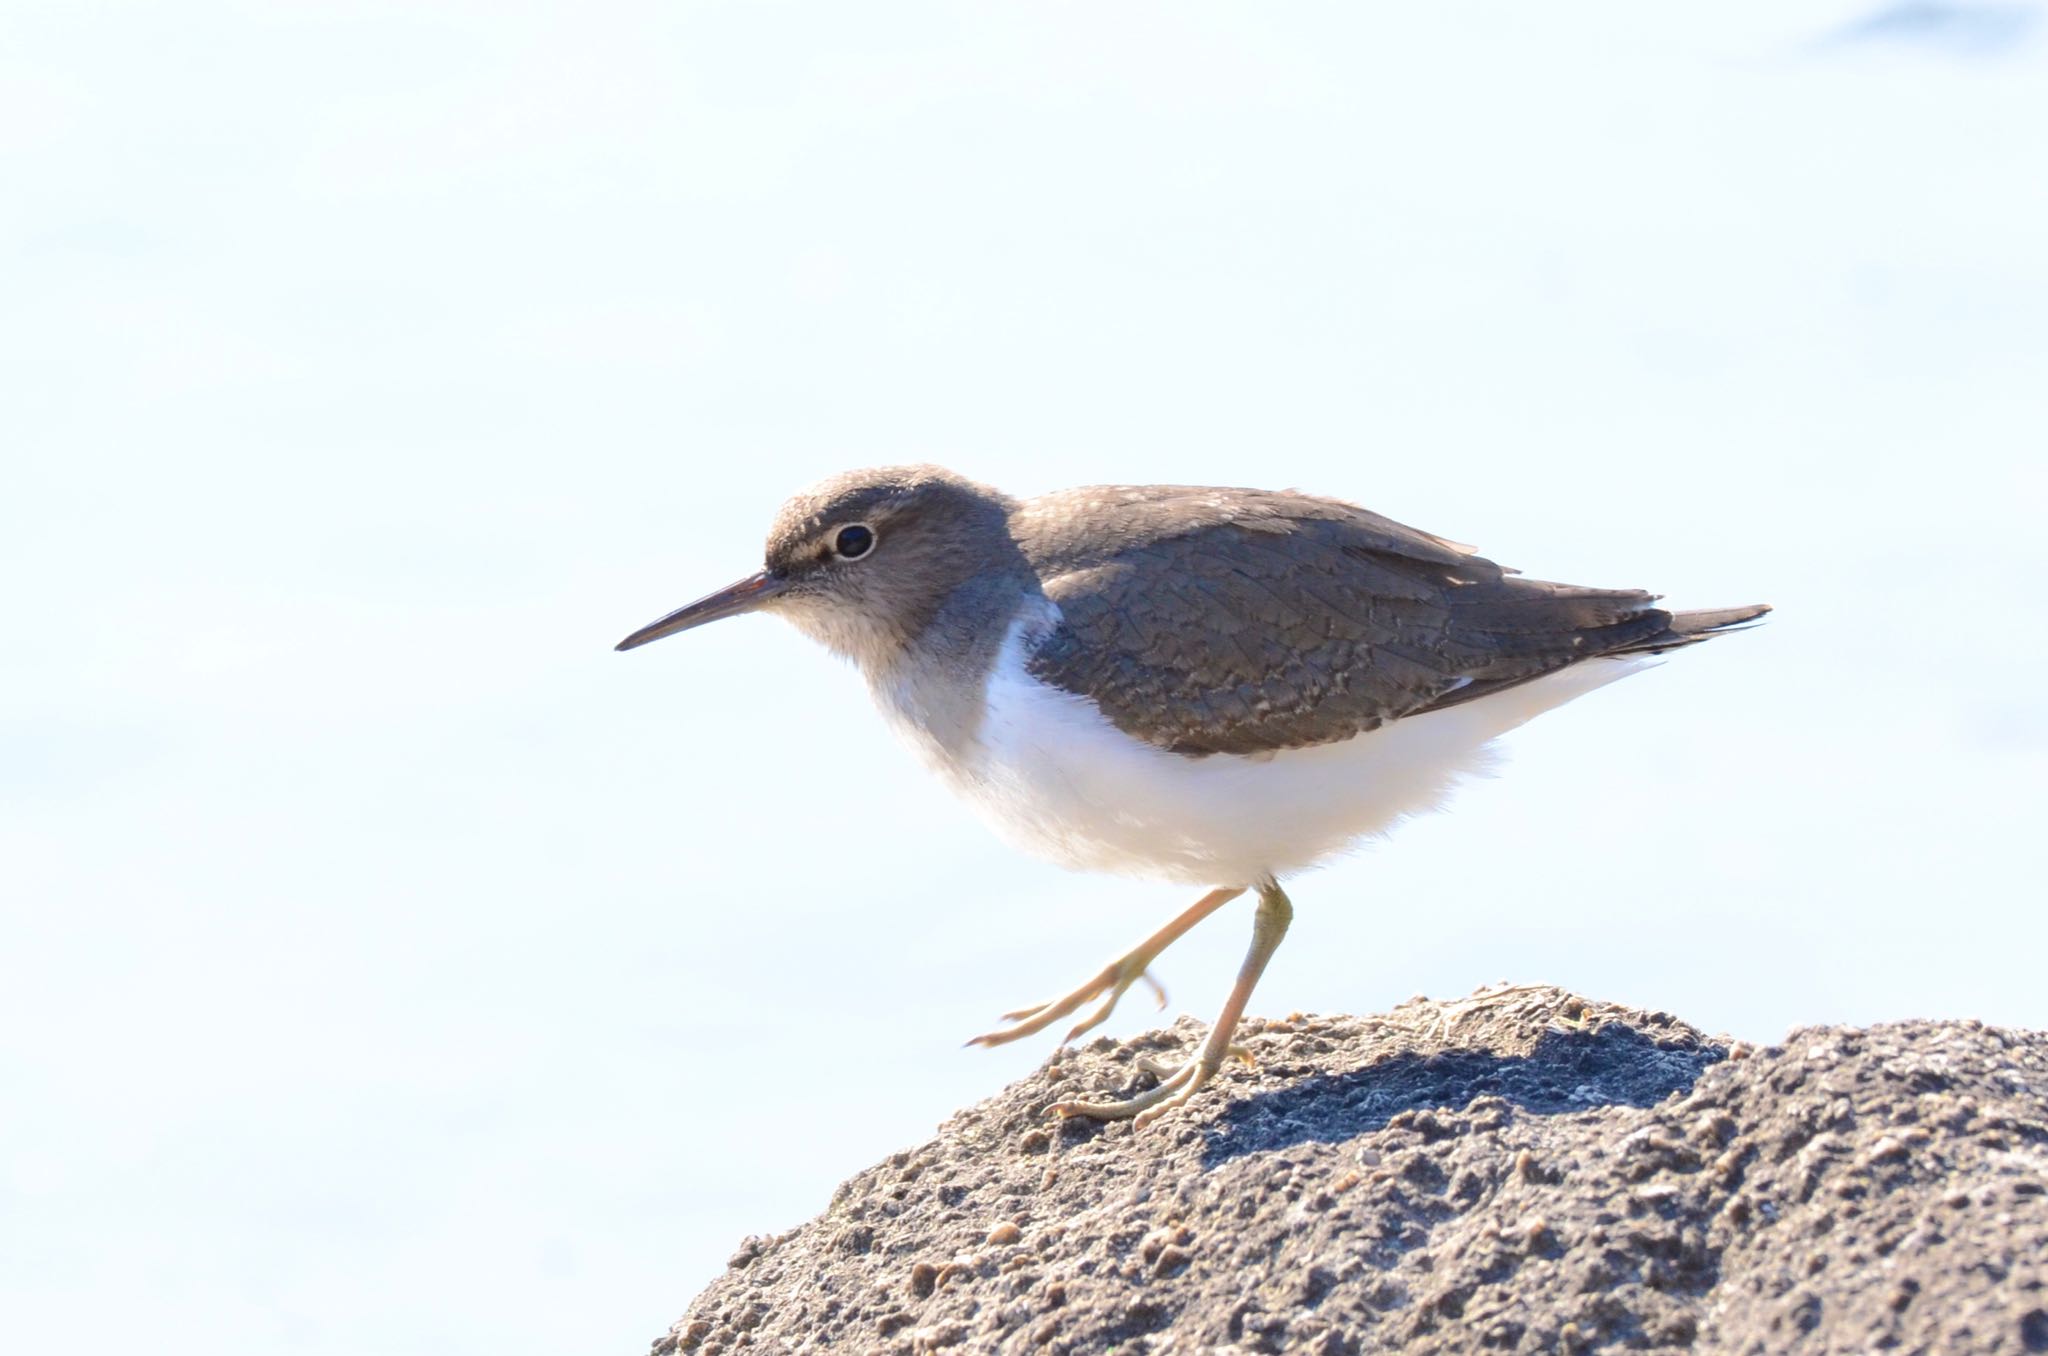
[(1216, 687)]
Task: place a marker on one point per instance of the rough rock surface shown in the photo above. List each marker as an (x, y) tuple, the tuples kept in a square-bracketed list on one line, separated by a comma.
[(1519, 1171)]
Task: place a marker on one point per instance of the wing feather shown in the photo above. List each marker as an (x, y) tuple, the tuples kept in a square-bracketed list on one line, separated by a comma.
[(1239, 621)]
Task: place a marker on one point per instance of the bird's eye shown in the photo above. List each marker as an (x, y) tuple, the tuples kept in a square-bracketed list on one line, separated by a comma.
[(853, 542)]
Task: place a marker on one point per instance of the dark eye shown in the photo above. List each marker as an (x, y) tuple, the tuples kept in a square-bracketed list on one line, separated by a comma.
[(853, 542)]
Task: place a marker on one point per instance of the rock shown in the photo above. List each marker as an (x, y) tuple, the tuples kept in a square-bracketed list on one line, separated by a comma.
[(1523, 1170)]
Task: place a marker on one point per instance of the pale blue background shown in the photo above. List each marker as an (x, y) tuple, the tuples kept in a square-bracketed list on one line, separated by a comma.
[(389, 967)]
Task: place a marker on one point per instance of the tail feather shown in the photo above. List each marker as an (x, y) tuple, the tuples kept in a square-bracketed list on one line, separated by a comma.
[(1690, 628), (1632, 629)]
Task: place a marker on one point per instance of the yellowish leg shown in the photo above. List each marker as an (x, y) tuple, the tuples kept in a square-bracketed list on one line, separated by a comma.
[(1268, 928), (1118, 976)]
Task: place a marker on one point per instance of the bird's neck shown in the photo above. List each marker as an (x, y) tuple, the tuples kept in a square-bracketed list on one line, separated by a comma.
[(935, 689)]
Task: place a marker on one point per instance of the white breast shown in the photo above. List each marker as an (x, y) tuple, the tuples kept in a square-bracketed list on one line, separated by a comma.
[(1052, 775)]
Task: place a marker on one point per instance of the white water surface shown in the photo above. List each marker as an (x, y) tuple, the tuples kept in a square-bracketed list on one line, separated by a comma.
[(391, 968)]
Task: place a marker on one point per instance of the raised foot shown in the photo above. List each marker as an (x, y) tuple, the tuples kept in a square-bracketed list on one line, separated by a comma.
[(1115, 978)]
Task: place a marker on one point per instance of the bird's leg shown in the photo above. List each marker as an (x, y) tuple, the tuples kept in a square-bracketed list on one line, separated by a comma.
[(1267, 929), (1116, 977)]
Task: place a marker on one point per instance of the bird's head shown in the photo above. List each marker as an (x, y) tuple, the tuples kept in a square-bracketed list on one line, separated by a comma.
[(863, 561)]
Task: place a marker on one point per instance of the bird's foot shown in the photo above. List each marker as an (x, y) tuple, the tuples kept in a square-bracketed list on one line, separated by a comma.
[(1115, 978), (1177, 1084)]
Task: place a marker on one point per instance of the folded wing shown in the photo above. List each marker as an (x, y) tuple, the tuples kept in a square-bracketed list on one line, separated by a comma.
[(1245, 622)]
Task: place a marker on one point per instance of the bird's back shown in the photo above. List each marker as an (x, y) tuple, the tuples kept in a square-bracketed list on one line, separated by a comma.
[(1205, 620)]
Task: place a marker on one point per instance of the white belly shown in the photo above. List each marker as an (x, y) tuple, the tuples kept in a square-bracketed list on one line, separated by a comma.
[(1052, 775)]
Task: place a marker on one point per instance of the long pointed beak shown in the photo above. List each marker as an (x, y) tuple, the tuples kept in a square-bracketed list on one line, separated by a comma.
[(730, 601)]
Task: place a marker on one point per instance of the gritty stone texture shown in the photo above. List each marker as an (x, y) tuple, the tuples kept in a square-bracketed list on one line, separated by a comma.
[(1519, 1171)]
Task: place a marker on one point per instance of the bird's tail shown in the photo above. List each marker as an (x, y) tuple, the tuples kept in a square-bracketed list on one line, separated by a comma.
[(1690, 628)]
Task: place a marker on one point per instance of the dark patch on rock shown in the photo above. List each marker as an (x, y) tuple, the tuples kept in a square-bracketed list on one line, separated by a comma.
[(1565, 1071), (1520, 1171)]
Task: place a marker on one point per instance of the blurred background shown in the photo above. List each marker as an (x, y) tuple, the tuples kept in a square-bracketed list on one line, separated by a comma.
[(390, 967)]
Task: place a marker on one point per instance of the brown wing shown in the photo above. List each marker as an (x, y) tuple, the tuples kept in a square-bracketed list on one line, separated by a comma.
[(1237, 621)]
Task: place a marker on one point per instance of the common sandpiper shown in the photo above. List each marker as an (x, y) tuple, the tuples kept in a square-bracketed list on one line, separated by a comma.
[(1217, 687)]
